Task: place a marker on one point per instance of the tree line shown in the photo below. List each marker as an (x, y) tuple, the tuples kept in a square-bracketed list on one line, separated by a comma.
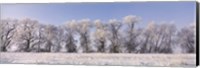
[(86, 36)]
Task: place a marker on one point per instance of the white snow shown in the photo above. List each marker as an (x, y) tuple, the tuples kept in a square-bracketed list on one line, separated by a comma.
[(100, 59)]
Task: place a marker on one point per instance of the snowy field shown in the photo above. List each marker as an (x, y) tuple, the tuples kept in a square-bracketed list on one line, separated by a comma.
[(100, 59)]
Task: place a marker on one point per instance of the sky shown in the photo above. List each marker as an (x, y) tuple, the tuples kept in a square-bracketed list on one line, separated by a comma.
[(179, 13)]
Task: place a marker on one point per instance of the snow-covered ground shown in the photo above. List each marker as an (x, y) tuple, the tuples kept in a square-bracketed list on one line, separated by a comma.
[(100, 59)]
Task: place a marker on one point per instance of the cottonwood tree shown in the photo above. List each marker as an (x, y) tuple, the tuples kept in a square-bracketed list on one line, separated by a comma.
[(186, 38), (30, 36), (148, 34), (159, 38), (57, 39), (100, 36), (26, 31), (50, 37), (130, 39), (41, 38), (165, 38), (83, 30), (7, 26), (38, 38), (61, 38), (69, 33), (114, 35)]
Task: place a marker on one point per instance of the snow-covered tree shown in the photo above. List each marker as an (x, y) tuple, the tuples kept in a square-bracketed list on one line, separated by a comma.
[(165, 39), (130, 38), (148, 34), (83, 29), (7, 27), (114, 35), (159, 38), (70, 29), (51, 38), (100, 36), (186, 39), (26, 31)]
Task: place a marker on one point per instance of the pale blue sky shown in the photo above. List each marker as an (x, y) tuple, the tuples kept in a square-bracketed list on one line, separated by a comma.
[(182, 13)]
